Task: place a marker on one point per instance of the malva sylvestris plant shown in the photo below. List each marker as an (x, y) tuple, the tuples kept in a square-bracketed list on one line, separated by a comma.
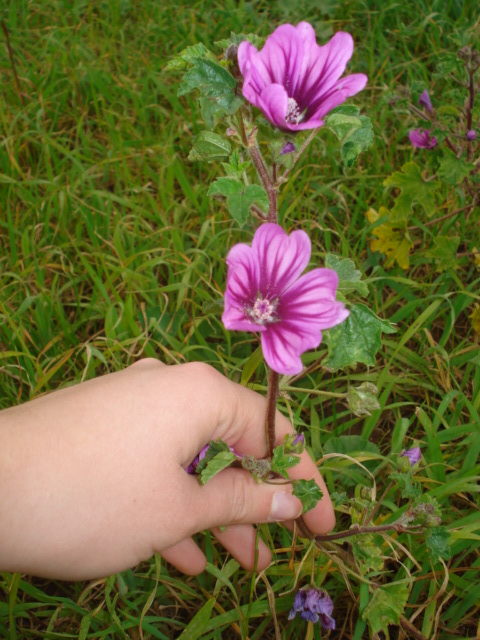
[(269, 103)]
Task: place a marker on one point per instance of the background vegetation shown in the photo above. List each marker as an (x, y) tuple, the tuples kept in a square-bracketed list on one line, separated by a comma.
[(111, 251)]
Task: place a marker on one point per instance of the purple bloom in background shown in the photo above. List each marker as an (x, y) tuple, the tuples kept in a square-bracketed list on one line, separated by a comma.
[(288, 147), (422, 139), (424, 101), (313, 605), (295, 82), (471, 135), (414, 454), (265, 293)]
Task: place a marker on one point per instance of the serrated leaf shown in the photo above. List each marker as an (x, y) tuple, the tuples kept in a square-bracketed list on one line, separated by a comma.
[(357, 339), (354, 132), (349, 277), (214, 447), (187, 56), (362, 400), (409, 488), (445, 252), (209, 146), (240, 197), (367, 550), (208, 77), (452, 169), (413, 190), (436, 540), (394, 242), (219, 462), (237, 38), (308, 492), (282, 461), (386, 606)]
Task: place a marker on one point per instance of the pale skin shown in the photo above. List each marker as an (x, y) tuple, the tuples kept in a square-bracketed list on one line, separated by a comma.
[(93, 480)]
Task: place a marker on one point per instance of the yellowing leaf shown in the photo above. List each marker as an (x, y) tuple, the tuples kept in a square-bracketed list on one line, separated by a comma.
[(475, 318), (392, 241)]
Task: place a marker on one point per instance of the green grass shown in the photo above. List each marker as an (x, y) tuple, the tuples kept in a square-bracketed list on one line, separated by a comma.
[(111, 251)]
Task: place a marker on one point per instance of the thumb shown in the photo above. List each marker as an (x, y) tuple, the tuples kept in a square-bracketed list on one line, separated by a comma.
[(233, 497)]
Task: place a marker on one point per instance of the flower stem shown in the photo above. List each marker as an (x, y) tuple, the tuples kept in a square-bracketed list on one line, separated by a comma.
[(271, 408)]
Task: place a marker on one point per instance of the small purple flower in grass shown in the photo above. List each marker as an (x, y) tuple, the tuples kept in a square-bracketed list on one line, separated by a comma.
[(414, 454), (424, 101), (471, 135), (313, 605), (295, 82), (422, 139), (266, 294)]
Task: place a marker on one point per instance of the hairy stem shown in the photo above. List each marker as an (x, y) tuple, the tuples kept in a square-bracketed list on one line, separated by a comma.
[(356, 530), (271, 408), (12, 63)]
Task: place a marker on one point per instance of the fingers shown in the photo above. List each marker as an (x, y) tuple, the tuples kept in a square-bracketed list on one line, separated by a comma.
[(245, 545), (186, 557)]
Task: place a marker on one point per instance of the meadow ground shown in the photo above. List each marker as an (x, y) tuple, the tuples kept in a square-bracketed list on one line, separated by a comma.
[(112, 251)]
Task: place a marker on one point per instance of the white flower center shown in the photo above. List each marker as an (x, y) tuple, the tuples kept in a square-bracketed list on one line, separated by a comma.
[(263, 311), (293, 115)]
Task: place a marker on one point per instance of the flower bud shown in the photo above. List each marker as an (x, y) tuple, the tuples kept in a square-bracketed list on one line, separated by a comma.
[(471, 135)]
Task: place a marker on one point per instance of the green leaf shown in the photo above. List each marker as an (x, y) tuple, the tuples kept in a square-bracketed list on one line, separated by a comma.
[(436, 540), (214, 447), (354, 132), (208, 77), (413, 190), (386, 606), (237, 38), (363, 400), (445, 252), (209, 146), (357, 339), (452, 169), (187, 56), (282, 461), (219, 462), (349, 276), (239, 197), (408, 486), (367, 550), (235, 167), (251, 365), (308, 492), (198, 624)]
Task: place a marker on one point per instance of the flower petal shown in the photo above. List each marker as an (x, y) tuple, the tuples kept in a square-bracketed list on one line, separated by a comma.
[(273, 101), (242, 288), (281, 258)]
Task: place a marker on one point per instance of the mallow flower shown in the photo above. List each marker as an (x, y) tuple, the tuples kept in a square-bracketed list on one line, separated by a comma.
[(294, 81), (422, 139), (414, 455), (266, 293), (424, 101), (313, 605)]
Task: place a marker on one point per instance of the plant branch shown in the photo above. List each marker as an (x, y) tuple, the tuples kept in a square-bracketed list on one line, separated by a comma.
[(356, 530), (271, 408), (12, 62), (264, 176), (286, 173)]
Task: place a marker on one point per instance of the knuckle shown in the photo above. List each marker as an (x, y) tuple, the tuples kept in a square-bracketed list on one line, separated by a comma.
[(239, 503)]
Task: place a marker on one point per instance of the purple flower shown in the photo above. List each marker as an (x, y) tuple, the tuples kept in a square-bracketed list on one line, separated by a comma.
[(414, 454), (313, 605), (295, 82), (424, 101), (265, 293), (471, 135), (288, 147), (422, 139), (200, 456)]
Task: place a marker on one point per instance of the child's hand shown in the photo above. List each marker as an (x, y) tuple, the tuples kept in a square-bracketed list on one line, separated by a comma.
[(93, 480)]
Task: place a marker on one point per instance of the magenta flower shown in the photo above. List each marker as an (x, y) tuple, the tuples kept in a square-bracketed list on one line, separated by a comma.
[(313, 605), (265, 293), (471, 135), (424, 101), (295, 82), (422, 139)]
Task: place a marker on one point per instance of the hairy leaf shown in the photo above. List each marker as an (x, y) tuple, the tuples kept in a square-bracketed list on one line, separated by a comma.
[(308, 492), (452, 169), (219, 462), (386, 606), (436, 540), (362, 400), (282, 461), (357, 339), (209, 146), (349, 277), (444, 252), (187, 56), (413, 190), (239, 197), (392, 241)]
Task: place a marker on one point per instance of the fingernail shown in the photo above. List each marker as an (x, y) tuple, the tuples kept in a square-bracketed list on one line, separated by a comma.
[(285, 506)]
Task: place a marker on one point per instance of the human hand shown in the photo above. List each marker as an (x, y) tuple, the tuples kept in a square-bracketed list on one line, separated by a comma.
[(93, 476)]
